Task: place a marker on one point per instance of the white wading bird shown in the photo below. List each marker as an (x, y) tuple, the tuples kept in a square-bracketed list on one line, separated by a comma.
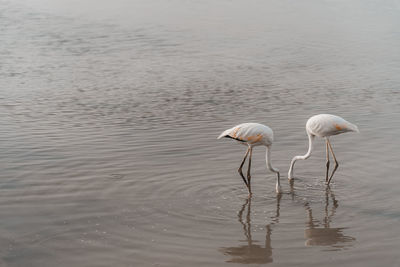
[(253, 134), (324, 125)]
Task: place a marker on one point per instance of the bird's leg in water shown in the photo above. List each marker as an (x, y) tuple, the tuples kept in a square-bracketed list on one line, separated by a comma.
[(336, 163), (240, 168), (327, 161), (248, 171)]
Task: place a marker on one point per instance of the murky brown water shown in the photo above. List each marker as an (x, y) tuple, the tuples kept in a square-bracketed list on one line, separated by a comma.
[(110, 113)]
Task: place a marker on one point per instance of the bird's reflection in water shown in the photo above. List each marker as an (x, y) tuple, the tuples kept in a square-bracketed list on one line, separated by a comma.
[(251, 252), (320, 233)]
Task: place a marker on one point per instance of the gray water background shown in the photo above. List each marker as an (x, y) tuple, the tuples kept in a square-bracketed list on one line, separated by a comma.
[(109, 113)]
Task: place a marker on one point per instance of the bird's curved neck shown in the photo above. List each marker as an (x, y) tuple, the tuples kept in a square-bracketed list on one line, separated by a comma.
[(269, 165), (268, 159), (310, 147), (306, 156)]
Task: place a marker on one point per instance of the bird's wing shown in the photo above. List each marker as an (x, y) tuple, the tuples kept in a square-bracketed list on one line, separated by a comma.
[(326, 125), (249, 132)]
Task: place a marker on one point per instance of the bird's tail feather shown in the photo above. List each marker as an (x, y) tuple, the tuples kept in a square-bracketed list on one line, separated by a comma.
[(224, 133), (354, 128)]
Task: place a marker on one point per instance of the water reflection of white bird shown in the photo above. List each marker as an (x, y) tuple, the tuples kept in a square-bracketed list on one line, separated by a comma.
[(324, 125), (321, 232), (326, 235), (251, 253), (253, 134)]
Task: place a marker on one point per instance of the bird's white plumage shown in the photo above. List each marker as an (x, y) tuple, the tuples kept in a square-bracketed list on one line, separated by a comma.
[(254, 134), (323, 125)]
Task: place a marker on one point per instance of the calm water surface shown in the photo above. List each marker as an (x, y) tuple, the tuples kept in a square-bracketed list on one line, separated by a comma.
[(110, 112)]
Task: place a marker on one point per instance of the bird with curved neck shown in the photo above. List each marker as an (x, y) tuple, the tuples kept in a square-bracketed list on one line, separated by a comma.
[(324, 126), (251, 135)]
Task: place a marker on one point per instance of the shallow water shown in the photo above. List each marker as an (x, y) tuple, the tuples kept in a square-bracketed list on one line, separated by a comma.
[(110, 113)]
